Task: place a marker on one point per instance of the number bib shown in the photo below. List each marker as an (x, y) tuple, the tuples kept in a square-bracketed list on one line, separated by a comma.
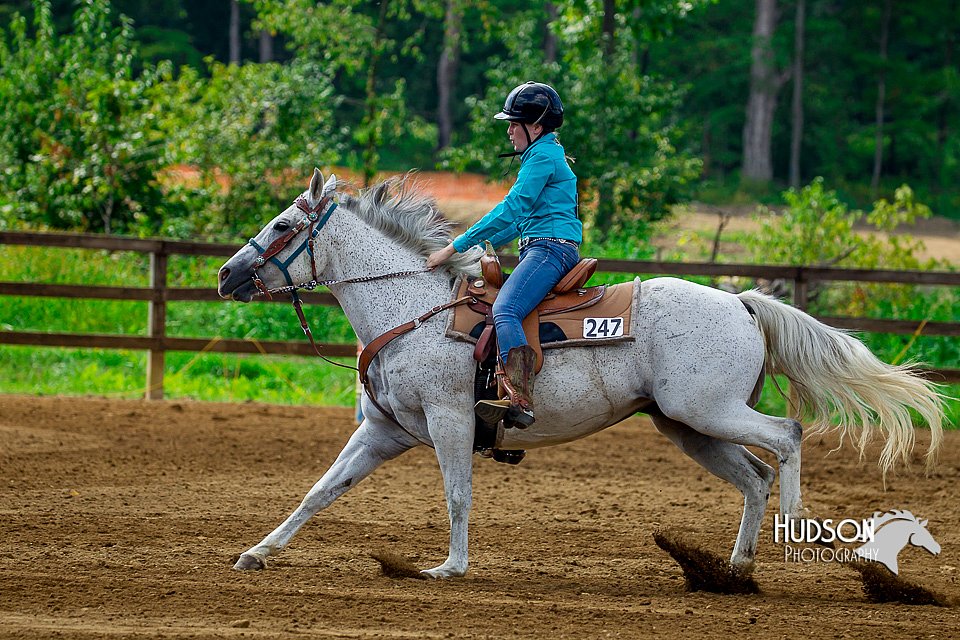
[(595, 328)]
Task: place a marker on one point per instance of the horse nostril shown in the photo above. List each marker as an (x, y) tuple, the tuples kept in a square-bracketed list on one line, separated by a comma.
[(224, 274)]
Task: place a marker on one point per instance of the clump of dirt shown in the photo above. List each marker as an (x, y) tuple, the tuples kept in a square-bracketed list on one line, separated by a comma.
[(882, 585), (703, 570), (393, 565)]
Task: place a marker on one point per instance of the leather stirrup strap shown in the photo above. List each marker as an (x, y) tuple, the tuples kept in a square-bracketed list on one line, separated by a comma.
[(486, 340)]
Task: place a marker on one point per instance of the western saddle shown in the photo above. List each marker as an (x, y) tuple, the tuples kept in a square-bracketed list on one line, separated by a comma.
[(567, 296)]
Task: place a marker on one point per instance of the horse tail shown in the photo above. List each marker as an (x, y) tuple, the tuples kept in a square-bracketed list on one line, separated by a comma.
[(834, 374)]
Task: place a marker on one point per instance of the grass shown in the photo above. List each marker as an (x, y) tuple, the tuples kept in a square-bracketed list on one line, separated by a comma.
[(119, 373), (214, 377), (234, 377)]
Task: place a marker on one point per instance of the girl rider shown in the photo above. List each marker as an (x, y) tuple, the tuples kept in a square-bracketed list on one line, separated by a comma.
[(540, 209)]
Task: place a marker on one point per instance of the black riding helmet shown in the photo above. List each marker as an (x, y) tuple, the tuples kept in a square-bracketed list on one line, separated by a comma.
[(533, 103)]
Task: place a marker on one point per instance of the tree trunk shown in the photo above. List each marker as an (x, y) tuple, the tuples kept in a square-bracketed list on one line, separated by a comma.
[(881, 97), (234, 32), (371, 157), (796, 134), (943, 120), (266, 46), (605, 193), (549, 38), (765, 83), (609, 27), (447, 71)]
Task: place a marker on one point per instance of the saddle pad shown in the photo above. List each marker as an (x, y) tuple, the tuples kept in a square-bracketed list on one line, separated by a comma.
[(606, 322)]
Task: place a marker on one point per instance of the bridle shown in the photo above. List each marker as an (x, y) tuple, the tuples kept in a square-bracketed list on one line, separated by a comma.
[(314, 219)]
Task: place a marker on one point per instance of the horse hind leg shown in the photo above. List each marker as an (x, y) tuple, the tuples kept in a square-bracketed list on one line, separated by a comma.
[(735, 422), (369, 447), (735, 464)]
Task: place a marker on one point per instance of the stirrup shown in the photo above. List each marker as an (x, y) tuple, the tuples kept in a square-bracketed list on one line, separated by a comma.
[(518, 418), (509, 456)]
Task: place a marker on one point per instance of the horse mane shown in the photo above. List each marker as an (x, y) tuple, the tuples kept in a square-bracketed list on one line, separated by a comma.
[(896, 514), (398, 208)]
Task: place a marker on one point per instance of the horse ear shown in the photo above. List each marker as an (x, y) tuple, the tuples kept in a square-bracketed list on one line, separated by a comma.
[(316, 185), (330, 186), (923, 523)]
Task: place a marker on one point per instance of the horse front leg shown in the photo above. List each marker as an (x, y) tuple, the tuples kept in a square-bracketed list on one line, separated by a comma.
[(371, 445), (452, 435)]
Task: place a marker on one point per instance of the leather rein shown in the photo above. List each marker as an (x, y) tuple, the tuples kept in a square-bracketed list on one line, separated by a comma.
[(314, 219)]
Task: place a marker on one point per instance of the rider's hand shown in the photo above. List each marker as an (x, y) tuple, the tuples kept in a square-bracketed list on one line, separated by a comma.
[(440, 256)]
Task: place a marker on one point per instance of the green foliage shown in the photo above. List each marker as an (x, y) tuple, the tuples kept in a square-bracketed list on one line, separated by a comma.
[(259, 321), (212, 377), (122, 373), (253, 132), (620, 123), (380, 119), (337, 34), (818, 229), (79, 142), (86, 142)]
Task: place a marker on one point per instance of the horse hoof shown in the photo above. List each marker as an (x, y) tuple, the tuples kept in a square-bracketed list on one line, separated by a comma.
[(443, 571), (250, 562)]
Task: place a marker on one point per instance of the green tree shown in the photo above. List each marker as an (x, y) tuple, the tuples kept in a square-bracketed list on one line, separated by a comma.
[(817, 228), (373, 108), (620, 123), (79, 142), (252, 132)]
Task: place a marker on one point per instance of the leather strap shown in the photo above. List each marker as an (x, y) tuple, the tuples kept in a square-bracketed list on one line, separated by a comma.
[(485, 342), (371, 350), (278, 245)]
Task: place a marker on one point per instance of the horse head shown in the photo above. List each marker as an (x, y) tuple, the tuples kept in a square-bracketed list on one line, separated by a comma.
[(920, 537), (282, 253)]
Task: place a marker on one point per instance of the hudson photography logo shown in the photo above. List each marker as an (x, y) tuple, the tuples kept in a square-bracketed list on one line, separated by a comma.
[(880, 538)]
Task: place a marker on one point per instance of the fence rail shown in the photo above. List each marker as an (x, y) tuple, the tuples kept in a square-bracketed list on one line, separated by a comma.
[(158, 294)]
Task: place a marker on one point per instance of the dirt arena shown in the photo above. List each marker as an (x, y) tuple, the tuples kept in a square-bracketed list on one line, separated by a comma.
[(121, 519)]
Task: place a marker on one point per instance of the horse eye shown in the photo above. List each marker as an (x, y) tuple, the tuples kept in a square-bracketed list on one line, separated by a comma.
[(281, 226)]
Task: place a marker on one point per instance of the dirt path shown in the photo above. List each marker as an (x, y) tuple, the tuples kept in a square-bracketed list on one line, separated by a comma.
[(120, 518)]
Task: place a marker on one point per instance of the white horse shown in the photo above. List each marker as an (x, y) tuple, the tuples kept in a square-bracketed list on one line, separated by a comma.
[(697, 358)]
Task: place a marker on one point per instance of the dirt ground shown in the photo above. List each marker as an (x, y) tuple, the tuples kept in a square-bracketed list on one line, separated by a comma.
[(121, 519)]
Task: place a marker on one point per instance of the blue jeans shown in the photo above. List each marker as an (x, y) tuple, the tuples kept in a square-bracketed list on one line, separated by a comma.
[(542, 264)]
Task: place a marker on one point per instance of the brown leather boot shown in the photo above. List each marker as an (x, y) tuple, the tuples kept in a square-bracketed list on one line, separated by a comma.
[(516, 379)]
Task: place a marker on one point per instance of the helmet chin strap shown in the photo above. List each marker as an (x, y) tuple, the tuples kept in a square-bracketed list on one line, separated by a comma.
[(526, 132)]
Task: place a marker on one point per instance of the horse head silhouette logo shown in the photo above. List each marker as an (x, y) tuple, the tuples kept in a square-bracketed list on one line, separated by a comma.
[(892, 532)]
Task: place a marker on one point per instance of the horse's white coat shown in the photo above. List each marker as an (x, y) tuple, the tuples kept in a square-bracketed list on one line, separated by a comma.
[(698, 354)]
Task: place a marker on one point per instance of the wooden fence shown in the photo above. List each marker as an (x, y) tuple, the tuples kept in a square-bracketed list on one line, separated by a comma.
[(158, 294)]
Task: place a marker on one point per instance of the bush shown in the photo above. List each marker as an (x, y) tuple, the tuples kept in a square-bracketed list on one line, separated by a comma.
[(79, 141)]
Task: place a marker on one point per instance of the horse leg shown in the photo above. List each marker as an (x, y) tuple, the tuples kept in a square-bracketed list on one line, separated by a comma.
[(371, 445), (454, 446), (739, 467), (736, 422)]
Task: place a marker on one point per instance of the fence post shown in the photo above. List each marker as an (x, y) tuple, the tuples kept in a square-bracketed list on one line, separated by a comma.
[(156, 323), (800, 290)]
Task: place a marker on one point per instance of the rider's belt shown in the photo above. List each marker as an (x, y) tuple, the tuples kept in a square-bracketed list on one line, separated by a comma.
[(525, 241)]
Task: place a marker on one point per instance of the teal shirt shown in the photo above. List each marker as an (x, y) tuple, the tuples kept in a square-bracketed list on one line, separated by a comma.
[(541, 204)]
